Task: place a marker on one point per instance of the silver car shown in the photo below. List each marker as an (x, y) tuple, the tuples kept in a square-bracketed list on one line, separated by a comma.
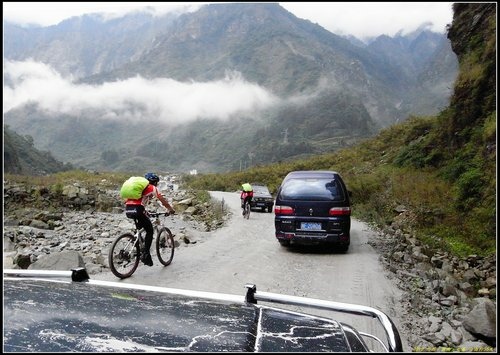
[(262, 198)]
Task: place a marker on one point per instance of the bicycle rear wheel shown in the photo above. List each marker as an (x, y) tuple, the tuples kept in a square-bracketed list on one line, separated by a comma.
[(165, 246), (247, 210), (123, 256)]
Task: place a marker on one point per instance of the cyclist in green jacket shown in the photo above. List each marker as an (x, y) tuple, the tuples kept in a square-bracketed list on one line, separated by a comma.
[(136, 209)]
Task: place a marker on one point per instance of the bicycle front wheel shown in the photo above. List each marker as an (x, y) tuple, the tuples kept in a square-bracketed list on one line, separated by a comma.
[(123, 256), (247, 211), (165, 246)]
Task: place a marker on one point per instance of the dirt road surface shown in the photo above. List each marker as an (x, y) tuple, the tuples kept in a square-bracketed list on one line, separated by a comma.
[(246, 251)]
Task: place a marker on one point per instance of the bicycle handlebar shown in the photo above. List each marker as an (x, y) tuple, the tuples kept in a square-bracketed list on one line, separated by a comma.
[(157, 214)]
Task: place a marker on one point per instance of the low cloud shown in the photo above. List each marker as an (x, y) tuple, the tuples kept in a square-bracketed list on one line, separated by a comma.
[(160, 99), (49, 14)]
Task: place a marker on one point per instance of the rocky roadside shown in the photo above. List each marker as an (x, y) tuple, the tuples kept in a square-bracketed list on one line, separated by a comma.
[(449, 303), (82, 223)]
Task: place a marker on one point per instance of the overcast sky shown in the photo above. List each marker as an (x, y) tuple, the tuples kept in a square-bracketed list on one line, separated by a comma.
[(360, 19), (171, 100)]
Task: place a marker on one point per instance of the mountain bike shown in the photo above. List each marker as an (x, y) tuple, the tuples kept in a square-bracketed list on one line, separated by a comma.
[(246, 210), (126, 250)]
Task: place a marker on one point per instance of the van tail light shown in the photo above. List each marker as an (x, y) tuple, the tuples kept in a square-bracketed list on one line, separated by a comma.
[(283, 210), (340, 211)]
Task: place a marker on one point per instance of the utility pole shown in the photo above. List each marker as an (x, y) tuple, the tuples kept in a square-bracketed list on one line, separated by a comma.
[(285, 136), (251, 155)]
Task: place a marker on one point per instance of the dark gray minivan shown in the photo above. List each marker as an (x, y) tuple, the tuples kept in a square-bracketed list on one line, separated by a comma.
[(313, 207)]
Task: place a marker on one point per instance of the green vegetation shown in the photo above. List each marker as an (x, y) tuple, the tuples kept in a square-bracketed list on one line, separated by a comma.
[(57, 180)]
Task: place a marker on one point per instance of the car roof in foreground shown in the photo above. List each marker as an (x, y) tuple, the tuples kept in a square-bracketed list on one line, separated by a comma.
[(52, 314)]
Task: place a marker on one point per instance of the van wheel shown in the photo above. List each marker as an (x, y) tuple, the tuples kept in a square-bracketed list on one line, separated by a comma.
[(343, 248), (284, 243)]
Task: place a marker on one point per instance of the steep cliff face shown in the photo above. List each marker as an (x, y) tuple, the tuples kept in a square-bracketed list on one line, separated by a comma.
[(468, 127), (473, 39)]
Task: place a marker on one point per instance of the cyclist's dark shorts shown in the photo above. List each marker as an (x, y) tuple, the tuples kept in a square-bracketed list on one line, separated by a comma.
[(248, 198), (134, 211)]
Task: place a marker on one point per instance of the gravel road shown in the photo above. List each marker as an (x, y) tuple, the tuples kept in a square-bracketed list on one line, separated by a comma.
[(246, 251)]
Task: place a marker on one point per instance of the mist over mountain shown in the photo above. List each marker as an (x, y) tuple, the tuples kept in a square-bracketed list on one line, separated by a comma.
[(225, 87)]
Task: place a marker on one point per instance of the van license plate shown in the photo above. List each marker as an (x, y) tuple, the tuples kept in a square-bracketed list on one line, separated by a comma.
[(311, 226)]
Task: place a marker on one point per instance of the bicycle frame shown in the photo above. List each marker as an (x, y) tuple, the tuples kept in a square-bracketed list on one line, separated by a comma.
[(138, 237), (157, 223), (138, 233)]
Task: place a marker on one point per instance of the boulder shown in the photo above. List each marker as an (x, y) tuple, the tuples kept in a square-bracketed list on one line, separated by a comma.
[(64, 260)]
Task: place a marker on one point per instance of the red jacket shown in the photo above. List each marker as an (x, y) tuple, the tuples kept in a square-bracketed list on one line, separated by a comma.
[(245, 194), (147, 194)]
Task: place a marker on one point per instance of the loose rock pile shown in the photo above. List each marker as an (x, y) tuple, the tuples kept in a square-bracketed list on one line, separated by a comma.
[(46, 239), (79, 225), (450, 303)]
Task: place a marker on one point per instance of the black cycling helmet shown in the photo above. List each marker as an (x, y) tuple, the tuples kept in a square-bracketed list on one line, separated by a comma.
[(152, 178)]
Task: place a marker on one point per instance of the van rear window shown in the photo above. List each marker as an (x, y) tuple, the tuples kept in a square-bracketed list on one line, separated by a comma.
[(307, 189)]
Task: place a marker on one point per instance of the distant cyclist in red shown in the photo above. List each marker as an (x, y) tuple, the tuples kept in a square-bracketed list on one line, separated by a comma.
[(246, 194), (136, 209)]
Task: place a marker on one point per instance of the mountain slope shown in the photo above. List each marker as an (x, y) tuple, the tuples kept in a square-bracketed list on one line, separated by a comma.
[(346, 92), (20, 157), (85, 45), (274, 49)]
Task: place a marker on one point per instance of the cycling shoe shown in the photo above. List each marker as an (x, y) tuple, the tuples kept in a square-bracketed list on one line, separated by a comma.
[(147, 260)]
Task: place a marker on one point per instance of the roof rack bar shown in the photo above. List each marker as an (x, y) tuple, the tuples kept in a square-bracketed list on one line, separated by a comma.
[(371, 336), (77, 274), (393, 337)]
